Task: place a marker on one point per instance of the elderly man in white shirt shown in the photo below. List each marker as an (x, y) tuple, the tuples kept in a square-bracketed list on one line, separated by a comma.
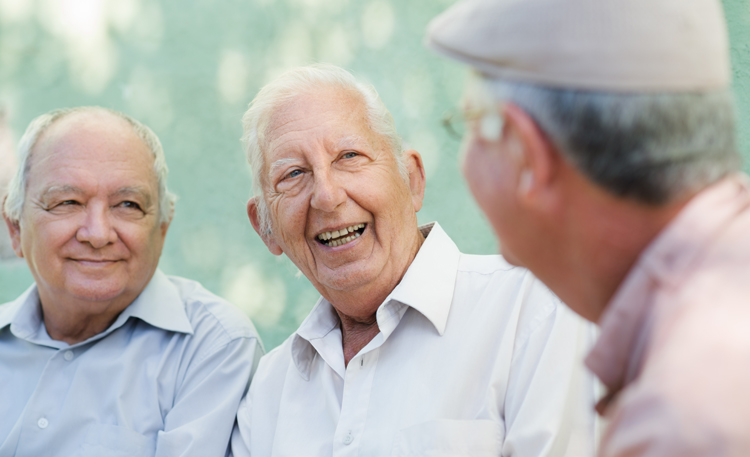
[(105, 355), (413, 348)]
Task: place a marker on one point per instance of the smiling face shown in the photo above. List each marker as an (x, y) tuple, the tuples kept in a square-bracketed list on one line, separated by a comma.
[(90, 228), (339, 208)]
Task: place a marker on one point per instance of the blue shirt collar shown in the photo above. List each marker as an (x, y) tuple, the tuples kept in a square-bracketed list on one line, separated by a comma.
[(159, 304)]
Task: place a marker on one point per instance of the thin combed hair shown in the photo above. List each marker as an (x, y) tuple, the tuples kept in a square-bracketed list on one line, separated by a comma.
[(653, 148), (17, 187), (302, 81)]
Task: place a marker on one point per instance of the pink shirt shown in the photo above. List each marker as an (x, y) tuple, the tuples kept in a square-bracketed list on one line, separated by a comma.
[(675, 339)]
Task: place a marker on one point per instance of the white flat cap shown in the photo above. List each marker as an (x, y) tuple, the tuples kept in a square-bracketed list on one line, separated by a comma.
[(608, 45)]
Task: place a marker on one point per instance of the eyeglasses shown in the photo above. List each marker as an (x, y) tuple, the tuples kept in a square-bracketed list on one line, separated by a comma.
[(455, 121), (490, 127)]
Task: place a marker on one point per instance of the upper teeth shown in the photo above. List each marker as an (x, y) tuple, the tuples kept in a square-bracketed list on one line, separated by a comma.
[(338, 233)]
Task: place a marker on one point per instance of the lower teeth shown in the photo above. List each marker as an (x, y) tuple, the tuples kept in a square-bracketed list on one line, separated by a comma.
[(340, 241)]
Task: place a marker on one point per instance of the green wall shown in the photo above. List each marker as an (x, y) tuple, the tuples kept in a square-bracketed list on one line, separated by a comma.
[(188, 68)]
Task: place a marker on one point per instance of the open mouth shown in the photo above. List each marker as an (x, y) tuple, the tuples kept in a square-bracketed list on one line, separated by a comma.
[(343, 236)]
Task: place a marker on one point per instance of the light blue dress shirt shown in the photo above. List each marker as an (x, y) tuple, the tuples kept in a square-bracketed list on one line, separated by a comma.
[(165, 379)]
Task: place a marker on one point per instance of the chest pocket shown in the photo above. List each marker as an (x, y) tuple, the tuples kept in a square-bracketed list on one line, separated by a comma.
[(115, 441), (450, 438)]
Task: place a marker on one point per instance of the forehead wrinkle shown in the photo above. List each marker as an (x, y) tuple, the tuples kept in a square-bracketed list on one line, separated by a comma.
[(351, 141)]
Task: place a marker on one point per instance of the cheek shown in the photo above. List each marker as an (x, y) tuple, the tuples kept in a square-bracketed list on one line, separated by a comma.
[(288, 217), (46, 236), (491, 183), (482, 173), (140, 240)]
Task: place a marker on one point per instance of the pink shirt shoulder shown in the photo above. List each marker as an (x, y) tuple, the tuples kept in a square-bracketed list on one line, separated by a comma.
[(675, 339)]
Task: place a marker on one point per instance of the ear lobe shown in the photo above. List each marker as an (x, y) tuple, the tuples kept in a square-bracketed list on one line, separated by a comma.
[(14, 229), (252, 214), (164, 228), (417, 181)]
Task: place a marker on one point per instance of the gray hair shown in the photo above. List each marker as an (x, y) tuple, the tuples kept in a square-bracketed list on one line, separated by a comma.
[(17, 187), (292, 84), (650, 147)]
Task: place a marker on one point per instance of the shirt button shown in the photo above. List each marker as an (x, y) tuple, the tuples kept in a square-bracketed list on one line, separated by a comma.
[(348, 438), (42, 423), (68, 355)]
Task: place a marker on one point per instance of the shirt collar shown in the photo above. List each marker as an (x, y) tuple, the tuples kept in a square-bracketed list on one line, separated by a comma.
[(617, 356), (427, 286), (24, 315), (159, 304), (430, 280)]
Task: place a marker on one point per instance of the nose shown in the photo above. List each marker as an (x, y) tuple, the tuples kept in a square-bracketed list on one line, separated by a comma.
[(97, 229), (327, 193)]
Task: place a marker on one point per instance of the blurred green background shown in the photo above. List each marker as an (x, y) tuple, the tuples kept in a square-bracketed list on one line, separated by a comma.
[(188, 69)]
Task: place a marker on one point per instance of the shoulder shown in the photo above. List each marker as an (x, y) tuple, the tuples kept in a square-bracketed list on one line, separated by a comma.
[(210, 314), (274, 365), (492, 271), (269, 379), (496, 279), (515, 293)]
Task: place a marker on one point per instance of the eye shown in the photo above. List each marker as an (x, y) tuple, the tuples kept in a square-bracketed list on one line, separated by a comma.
[(293, 174), (129, 204), (349, 155)]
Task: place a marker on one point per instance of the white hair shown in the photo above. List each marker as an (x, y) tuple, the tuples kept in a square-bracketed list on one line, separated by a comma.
[(294, 83), (650, 147), (17, 186)]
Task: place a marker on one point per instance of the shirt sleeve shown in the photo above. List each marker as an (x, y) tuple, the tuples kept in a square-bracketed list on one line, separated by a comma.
[(549, 402), (200, 422), (239, 447)]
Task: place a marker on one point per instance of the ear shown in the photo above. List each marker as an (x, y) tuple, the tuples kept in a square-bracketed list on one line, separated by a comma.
[(414, 165), (535, 156), (14, 229), (164, 227), (252, 213)]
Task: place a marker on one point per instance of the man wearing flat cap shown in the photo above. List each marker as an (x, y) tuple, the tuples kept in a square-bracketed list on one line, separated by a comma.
[(105, 355), (602, 149), (413, 348)]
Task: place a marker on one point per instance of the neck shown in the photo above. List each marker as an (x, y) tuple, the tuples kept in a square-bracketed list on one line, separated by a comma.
[(73, 323), (356, 334), (601, 239), (356, 308)]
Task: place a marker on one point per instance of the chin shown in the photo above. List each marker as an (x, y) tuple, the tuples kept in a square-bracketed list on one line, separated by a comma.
[(97, 292), (347, 280)]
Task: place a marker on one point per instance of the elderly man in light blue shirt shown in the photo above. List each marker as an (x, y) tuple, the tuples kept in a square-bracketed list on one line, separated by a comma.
[(105, 355)]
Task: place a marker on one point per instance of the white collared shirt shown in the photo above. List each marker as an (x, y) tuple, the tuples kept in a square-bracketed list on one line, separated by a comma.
[(474, 357), (164, 379)]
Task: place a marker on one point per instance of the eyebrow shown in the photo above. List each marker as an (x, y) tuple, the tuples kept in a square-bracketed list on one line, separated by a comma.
[(344, 142), (138, 191), (279, 164), (55, 190)]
